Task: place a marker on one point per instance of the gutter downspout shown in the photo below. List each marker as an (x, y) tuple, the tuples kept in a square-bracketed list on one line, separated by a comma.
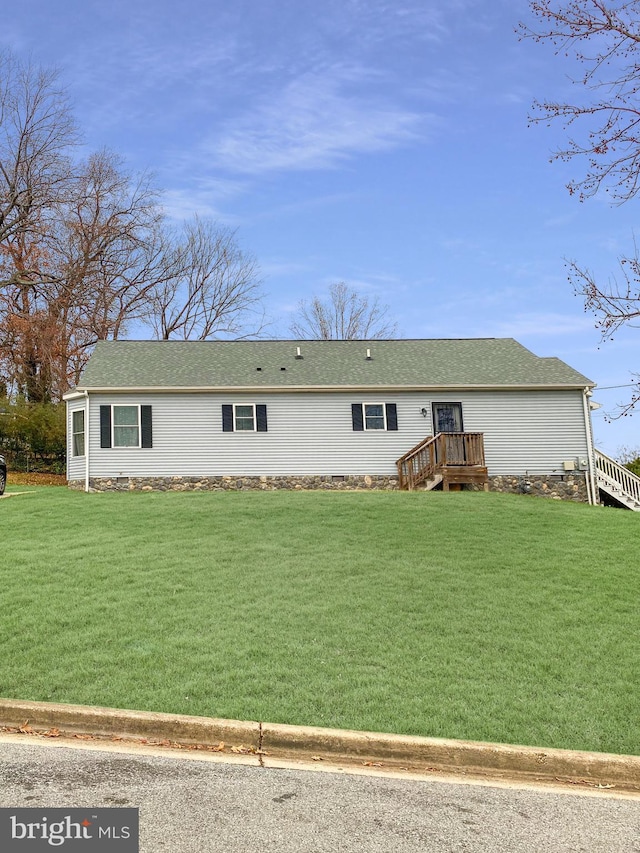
[(590, 480), (87, 442)]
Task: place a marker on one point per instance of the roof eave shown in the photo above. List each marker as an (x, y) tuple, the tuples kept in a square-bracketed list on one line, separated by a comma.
[(299, 389)]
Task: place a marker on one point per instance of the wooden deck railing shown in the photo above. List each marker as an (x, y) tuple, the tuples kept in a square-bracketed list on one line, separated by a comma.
[(615, 478), (424, 461)]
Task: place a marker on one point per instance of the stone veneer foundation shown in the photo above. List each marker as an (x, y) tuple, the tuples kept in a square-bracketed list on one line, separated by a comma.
[(569, 487), (235, 484)]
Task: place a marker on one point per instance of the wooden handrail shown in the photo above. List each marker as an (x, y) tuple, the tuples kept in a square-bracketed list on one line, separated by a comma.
[(417, 464), (435, 452)]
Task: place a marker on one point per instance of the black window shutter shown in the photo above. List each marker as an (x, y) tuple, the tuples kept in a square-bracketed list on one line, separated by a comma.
[(146, 426), (392, 416), (261, 417), (356, 416), (227, 418), (105, 426)]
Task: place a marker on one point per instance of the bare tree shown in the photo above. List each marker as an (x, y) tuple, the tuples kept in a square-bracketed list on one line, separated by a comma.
[(109, 252), (85, 250), (604, 130), (346, 315), (37, 133), (37, 130), (211, 288), (80, 279)]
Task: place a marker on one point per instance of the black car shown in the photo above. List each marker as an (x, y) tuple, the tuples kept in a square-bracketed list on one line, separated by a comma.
[(3, 474)]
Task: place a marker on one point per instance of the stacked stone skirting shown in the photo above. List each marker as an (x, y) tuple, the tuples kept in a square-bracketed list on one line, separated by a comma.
[(570, 487), (236, 484)]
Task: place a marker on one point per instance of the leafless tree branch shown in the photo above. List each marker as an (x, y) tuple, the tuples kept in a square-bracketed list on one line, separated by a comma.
[(212, 288), (604, 37), (346, 315)]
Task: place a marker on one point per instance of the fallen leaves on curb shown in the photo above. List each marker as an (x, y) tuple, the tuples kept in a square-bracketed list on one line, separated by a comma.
[(221, 747), (244, 750), (210, 748), (241, 749), (588, 782), (25, 729)]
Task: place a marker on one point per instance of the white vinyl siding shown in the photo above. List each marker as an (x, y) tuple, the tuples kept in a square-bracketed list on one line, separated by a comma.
[(528, 432), (311, 433)]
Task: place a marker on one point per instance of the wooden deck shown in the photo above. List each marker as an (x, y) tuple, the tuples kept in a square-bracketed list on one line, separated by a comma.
[(448, 458)]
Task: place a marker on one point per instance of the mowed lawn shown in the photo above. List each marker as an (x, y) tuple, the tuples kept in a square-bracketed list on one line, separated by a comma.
[(466, 615)]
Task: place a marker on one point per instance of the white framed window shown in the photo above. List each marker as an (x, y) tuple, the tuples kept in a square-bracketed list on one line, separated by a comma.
[(126, 426), (369, 417), (374, 416), (244, 417), (77, 433)]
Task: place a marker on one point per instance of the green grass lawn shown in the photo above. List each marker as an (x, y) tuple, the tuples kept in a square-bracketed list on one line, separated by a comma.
[(465, 615)]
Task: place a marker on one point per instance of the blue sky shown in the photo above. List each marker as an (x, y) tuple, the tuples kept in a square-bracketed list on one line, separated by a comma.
[(383, 143)]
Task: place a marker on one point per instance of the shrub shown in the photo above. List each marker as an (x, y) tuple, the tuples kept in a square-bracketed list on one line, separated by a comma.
[(32, 435)]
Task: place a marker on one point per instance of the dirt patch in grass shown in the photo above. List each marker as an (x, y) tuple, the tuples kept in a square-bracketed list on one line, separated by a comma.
[(17, 478)]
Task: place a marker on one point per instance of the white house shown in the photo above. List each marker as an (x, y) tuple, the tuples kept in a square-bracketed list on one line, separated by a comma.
[(329, 414)]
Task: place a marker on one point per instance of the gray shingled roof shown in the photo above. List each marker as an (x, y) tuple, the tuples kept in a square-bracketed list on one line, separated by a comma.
[(437, 363)]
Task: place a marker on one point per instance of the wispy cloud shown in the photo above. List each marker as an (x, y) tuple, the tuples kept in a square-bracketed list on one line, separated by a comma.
[(275, 267), (525, 326), (373, 21), (315, 123), (304, 205), (542, 325), (179, 205)]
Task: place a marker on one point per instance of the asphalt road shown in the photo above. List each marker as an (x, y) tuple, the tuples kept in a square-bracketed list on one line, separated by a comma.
[(193, 804)]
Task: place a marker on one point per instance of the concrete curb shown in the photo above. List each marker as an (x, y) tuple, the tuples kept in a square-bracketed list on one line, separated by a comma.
[(271, 742), (113, 722)]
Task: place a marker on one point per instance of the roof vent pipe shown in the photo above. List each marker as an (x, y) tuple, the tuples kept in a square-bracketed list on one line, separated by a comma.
[(368, 355), (298, 353)]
